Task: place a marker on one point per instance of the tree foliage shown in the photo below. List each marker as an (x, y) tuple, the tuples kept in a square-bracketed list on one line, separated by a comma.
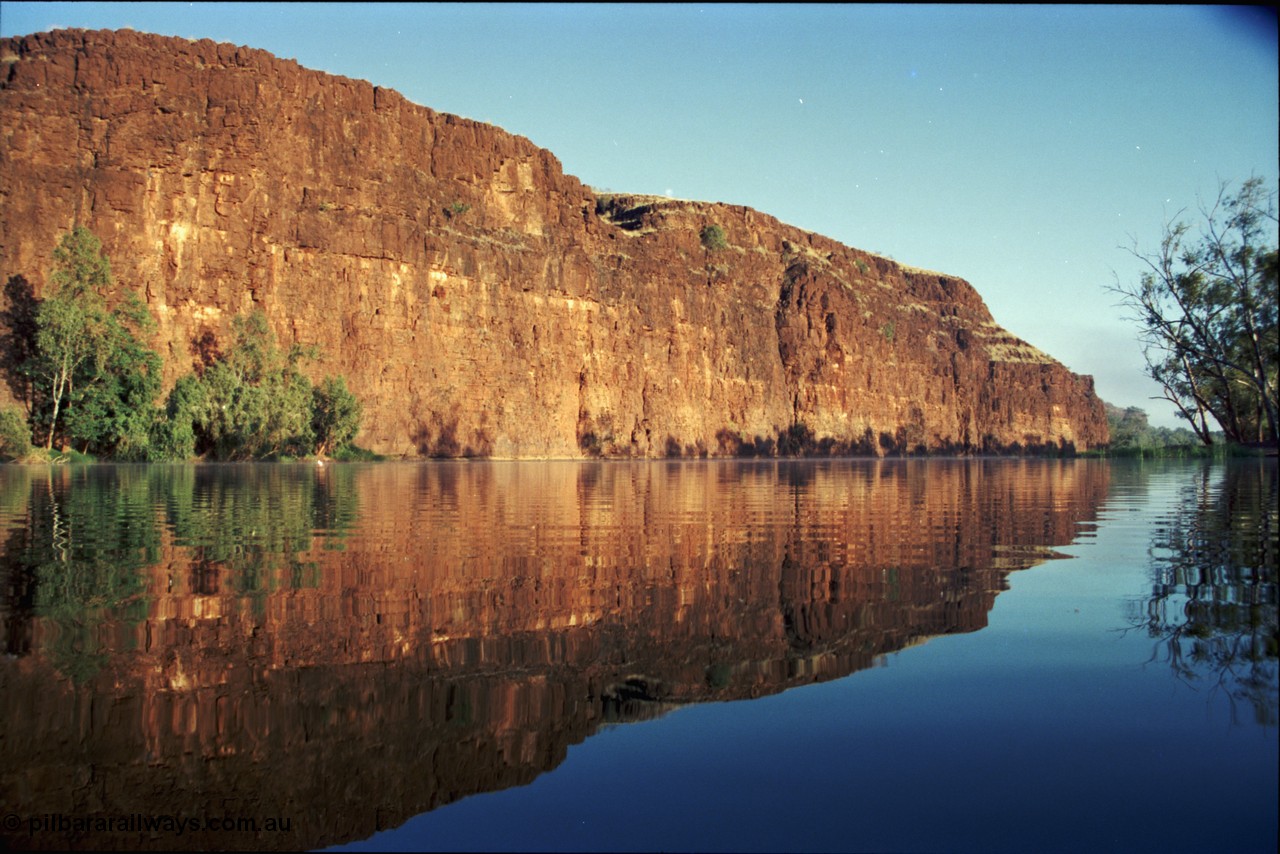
[(1206, 307), (93, 381), (254, 402), (173, 434), (335, 415), (114, 413), (15, 435), (88, 378), (1130, 431)]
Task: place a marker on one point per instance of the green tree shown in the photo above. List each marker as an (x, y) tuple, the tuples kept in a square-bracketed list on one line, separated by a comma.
[(15, 435), (173, 434), (1206, 307), (115, 410), (69, 325), (1131, 432), (93, 381), (335, 415), (1129, 427), (254, 402)]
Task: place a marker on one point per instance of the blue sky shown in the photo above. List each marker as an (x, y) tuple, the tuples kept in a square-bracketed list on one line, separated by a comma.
[(1018, 147)]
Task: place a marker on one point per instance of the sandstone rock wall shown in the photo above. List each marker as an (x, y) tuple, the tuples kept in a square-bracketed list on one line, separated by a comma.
[(480, 301)]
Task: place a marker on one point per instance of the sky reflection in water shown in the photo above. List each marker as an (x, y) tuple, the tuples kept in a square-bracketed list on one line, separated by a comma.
[(356, 646)]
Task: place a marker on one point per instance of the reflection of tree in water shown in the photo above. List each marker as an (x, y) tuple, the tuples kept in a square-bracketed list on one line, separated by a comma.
[(490, 616), (1212, 608), (83, 539), (76, 561), (249, 526)]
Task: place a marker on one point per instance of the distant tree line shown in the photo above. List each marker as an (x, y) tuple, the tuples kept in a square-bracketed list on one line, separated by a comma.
[(89, 381), (1131, 433)]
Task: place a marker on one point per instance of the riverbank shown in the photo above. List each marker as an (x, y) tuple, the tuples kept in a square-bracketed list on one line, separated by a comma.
[(42, 457)]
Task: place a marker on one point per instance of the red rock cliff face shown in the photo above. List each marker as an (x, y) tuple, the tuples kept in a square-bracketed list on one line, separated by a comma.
[(480, 301)]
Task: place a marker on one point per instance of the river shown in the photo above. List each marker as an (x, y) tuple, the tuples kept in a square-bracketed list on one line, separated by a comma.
[(837, 655)]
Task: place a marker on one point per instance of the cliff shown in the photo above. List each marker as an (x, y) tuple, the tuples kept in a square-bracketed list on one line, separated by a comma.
[(480, 301)]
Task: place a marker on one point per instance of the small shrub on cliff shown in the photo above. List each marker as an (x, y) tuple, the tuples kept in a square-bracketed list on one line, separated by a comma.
[(456, 209), (713, 239)]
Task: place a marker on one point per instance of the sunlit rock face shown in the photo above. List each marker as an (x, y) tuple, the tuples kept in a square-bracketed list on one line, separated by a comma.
[(373, 642), (479, 301)]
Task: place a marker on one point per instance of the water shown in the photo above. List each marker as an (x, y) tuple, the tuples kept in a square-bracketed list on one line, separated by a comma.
[(848, 655)]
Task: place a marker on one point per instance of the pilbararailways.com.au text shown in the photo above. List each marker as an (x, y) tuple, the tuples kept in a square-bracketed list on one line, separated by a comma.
[(142, 823)]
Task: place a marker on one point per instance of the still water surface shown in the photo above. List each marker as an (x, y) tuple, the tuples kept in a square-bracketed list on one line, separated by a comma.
[(840, 655)]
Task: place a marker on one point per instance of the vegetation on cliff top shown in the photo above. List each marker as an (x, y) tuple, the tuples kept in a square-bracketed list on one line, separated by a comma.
[(88, 380)]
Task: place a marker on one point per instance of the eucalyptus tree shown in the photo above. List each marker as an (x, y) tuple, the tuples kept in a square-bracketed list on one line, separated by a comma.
[(93, 380), (1206, 309), (254, 402)]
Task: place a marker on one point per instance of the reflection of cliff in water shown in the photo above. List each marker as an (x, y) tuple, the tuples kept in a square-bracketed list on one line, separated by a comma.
[(352, 646)]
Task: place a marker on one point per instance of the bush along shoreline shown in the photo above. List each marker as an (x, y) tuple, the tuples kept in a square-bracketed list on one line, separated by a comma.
[(89, 387), (1132, 436), (89, 384)]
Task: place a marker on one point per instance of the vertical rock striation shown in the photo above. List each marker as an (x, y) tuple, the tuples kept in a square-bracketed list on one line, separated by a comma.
[(480, 301)]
